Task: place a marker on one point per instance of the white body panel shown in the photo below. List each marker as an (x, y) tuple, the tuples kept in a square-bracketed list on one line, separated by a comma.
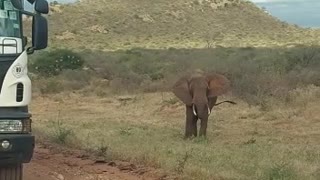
[(17, 73)]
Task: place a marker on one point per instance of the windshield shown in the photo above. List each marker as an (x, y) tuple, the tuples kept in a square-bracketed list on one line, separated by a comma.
[(9, 20)]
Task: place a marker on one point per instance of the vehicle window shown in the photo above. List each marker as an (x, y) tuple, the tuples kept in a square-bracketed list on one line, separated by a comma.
[(9, 20)]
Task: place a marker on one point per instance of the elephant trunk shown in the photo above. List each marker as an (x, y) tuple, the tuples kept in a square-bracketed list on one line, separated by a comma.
[(195, 112)]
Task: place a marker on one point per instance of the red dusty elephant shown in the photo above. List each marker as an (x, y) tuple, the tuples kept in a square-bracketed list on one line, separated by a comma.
[(199, 92)]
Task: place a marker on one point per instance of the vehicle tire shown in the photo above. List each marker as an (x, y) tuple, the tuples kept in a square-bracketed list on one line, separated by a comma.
[(11, 172)]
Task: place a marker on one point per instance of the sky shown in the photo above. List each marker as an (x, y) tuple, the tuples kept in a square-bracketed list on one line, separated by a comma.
[(304, 13)]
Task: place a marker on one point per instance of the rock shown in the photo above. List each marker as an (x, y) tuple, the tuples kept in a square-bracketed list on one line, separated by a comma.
[(57, 176), (125, 98), (67, 35), (145, 18), (213, 5), (127, 167), (60, 177), (98, 29), (112, 163)]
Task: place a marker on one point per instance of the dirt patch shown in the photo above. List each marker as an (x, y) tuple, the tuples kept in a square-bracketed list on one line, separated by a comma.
[(52, 162)]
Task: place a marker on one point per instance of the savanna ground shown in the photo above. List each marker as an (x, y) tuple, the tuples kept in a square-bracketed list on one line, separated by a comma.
[(118, 104)]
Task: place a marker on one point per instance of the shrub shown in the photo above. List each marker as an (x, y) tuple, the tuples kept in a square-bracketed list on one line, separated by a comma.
[(52, 63), (50, 86), (255, 73)]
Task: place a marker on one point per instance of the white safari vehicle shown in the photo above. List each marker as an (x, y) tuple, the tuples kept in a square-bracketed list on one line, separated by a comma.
[(16, 140)]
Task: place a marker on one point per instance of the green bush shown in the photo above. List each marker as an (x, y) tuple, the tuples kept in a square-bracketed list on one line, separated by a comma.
[(52, 63), (255, 73)]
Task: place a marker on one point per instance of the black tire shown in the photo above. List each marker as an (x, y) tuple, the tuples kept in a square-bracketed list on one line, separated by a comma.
[(11, 172)]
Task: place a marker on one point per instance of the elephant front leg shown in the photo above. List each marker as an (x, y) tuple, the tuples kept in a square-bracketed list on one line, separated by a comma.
[(191, 123), (194, 126), (203, 128), (189, 128)]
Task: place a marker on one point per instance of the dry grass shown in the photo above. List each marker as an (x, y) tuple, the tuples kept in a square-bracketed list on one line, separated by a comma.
[(243, 142)]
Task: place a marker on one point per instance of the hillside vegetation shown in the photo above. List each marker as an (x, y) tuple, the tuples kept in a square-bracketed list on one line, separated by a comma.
[(118, 24)]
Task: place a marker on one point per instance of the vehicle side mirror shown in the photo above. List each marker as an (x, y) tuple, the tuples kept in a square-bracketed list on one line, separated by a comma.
[(17, 4), (39, 32), (42, 6)]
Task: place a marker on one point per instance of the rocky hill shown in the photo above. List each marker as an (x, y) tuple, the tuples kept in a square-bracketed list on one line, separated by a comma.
[(118, 24)]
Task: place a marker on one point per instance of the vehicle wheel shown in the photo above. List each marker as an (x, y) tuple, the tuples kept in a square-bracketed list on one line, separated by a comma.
[(11, 172)]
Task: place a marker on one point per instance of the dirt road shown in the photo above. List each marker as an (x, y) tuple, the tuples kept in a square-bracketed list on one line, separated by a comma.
[(62, 164)]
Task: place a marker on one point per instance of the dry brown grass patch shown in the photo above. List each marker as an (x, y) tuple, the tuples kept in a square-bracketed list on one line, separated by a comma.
[(243, 141)]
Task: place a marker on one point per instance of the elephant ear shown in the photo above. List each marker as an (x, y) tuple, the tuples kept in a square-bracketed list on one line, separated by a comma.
[(217, 84), (181, 90)]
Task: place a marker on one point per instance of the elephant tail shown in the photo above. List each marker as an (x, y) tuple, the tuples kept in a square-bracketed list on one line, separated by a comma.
[(231, 102)]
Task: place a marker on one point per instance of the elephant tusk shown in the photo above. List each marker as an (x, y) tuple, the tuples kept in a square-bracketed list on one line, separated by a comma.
[(194, 110), (209, 111)]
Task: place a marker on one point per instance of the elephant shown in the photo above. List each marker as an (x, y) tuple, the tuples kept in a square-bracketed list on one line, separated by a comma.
[(199, 92)]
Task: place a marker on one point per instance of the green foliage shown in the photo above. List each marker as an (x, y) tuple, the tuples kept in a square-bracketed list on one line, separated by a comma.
[(255, 73), (280, 172), (61, 132), (52, 63), (138, 63), (303, 57)]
